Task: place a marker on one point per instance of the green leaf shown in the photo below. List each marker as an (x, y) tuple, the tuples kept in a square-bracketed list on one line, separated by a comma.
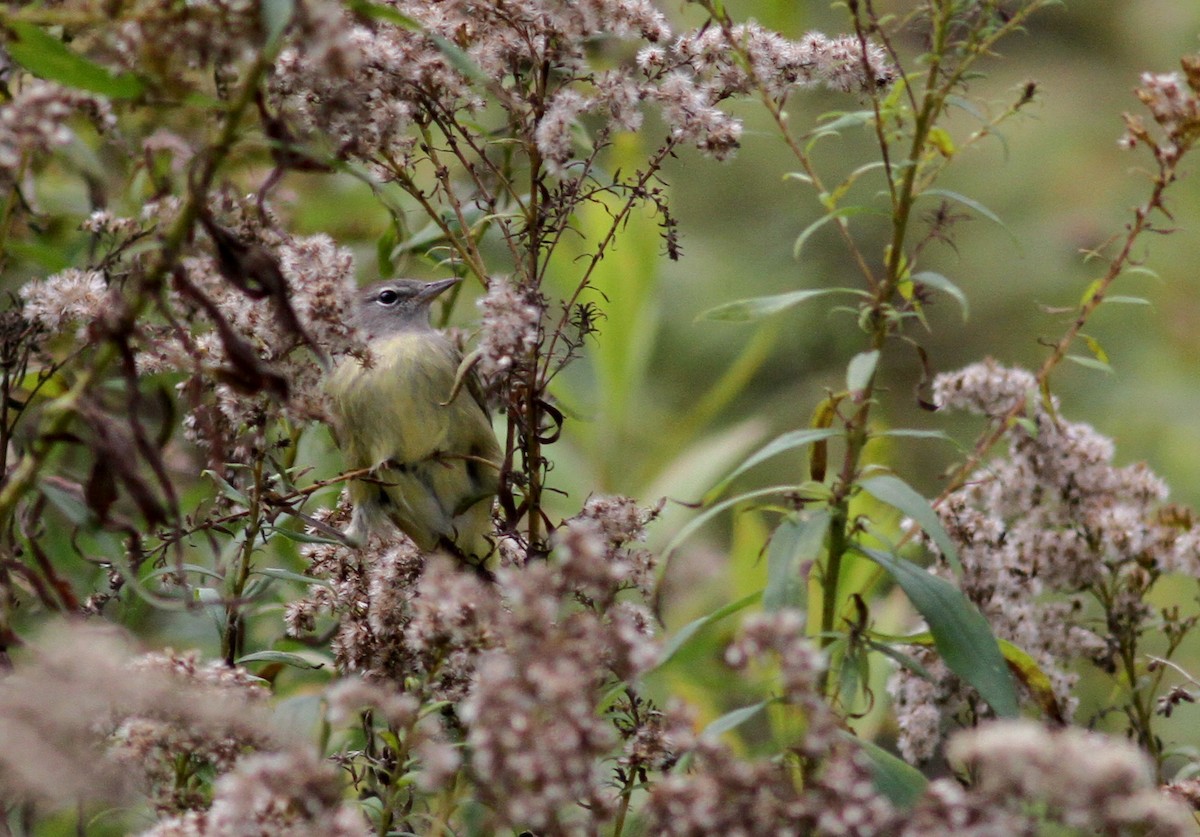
[(284, 657), (961, 634), (913, 433), (853, 119), (734, 719), (1095, 348), (941, 283), (378, 11), (967, 105), (208, 596), (48, 57), (1142, 270), (895, 778), (300, 537), (840, 212), (50, 257), (898, 494), (1027, 670), (1090, 363), (1118, 299), (788, 441), (699, 520), (1020, 664), (227, 488), (187, 568), (457, 58), (288, 575), (795, 540), (903, 660), (941, 140), (831, 199), (276, 15), (672, 646), (860, 370), (965, 201), (71, 505), (755, 308)]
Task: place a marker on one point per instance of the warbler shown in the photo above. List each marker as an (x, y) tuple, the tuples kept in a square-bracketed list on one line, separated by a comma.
[(405, 414)]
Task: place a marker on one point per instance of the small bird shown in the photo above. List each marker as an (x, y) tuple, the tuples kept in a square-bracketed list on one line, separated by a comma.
[(427, 439)]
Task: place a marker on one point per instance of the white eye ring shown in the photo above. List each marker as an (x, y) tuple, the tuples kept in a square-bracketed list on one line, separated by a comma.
[(388, 297)]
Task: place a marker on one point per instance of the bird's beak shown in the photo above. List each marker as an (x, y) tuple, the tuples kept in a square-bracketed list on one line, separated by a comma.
[(434, 289)]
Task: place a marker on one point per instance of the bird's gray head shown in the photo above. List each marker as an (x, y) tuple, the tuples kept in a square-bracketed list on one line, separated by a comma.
[(397, 305)]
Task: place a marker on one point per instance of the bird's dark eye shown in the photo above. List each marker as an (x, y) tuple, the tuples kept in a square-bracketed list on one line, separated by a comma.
[(388, 297)]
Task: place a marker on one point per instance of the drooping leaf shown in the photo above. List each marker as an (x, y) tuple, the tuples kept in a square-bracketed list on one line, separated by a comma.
[(299, 537), (756, 308), (795, 540), (1022, 665), (898, 494), (895, 778), (939, 282), (48, 57), (788, 441), (284, 657), (672, 646), (187, 568), (831, 199), (734, 719), (1026, 669), (833, 128), (227, 488), (840, 212), (288, 575), (962, 636), (875, 643), (454, 54), (971, 203), (69, 502)]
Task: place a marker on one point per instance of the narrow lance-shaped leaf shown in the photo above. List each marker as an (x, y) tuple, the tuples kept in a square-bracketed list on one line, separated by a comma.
[(756, 308), (939, 282), (699, 520), (860, 370), (913, 433), (900, 495), (454, 54), (48, 57), (788, 441), (962, 636), (1095, 348), (681, 638), (795, 539), (734, 719), (895, 778), (295, 660), (840, 212), (1089, 362), (1020, 662), (965, 201)]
